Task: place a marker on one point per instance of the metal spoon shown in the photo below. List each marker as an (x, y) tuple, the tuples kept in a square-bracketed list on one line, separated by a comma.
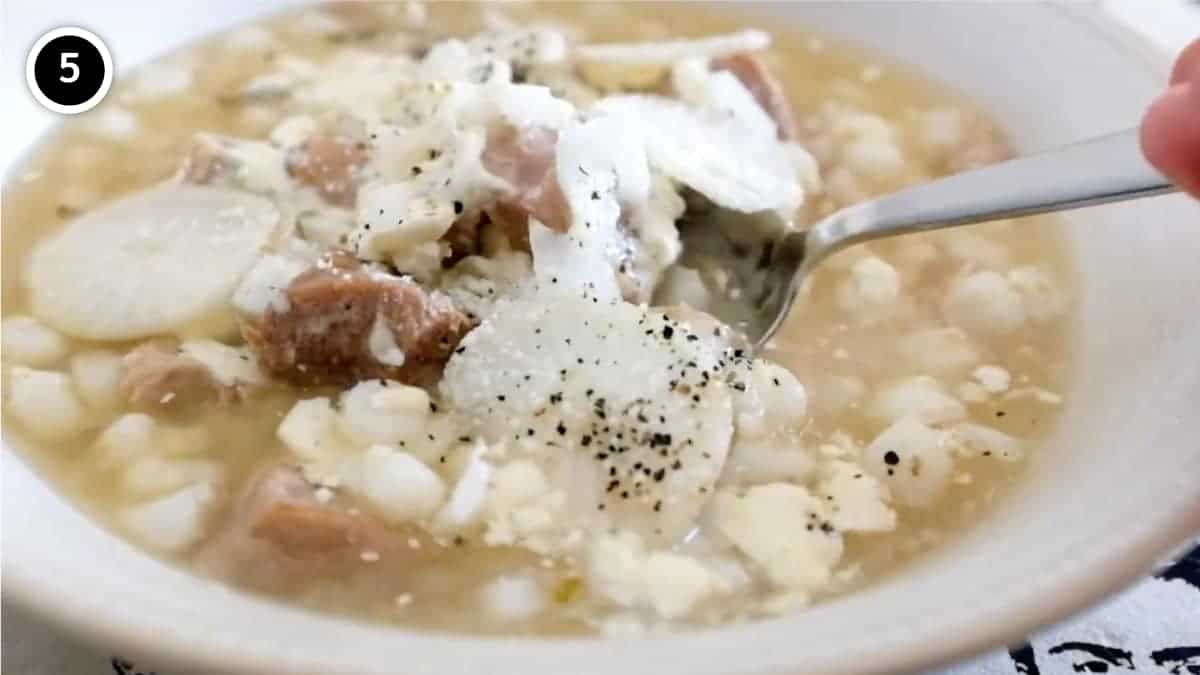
[(763, 271)]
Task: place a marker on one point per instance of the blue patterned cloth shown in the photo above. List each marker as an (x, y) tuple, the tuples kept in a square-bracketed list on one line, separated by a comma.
[(1153, 628)]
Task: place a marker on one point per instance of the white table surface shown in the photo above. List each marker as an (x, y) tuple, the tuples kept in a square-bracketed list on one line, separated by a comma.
[(1156, 614)]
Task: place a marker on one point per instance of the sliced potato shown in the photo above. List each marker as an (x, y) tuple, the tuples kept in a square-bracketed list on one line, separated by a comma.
[(150, 263), (627, 408)]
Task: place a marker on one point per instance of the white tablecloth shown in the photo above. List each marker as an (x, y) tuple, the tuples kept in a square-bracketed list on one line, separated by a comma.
[(1152, 628)]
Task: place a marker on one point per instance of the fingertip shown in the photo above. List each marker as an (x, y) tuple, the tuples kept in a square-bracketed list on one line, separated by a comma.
[(1170, 136), (1187, 65)]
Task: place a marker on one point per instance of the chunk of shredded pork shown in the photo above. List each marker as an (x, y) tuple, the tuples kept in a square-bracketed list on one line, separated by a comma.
[(158, 374), (765, 88), (342, 324), (279, 535)]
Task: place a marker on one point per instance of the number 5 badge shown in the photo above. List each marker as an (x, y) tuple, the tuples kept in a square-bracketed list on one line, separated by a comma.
[(69, 70)]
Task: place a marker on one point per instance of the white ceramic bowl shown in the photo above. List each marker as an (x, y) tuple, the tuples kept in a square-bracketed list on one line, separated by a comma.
[(1117, 486)]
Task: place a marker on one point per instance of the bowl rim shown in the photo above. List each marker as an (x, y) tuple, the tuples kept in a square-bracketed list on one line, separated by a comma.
[(1109, 571)]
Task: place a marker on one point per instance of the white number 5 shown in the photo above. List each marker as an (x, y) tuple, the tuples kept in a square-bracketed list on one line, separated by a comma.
[(66, 64)]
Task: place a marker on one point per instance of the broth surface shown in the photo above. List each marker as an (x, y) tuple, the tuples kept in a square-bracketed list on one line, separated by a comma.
[(844, 349)]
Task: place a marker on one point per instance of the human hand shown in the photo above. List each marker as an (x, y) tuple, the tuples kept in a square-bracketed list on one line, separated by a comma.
[(1171, 128)]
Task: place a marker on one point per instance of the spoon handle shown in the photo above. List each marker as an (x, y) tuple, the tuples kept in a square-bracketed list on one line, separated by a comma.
[(1095, 171)]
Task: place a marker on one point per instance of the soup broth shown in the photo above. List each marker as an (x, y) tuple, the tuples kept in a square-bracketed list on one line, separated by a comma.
[(927, 367)]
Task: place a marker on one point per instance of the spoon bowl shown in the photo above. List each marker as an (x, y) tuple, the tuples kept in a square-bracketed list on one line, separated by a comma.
[(754, 272)]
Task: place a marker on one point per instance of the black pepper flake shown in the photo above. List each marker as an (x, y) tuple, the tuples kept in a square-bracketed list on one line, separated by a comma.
[(458, 207), (595, 195), (891, 458), (667, 332), (659, 475), (677, 465), (586, 440), (529, 431), (561, 429), (1000, 413), (500, 397), (416, 171)]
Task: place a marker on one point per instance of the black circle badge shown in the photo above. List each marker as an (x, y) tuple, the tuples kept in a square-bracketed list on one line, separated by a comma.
[(69, 70)]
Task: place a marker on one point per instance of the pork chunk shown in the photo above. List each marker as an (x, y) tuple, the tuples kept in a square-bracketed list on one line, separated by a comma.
[(278, 536), (329, 164), (765, 88), (525, 159), (338, 315), (158, 374)]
